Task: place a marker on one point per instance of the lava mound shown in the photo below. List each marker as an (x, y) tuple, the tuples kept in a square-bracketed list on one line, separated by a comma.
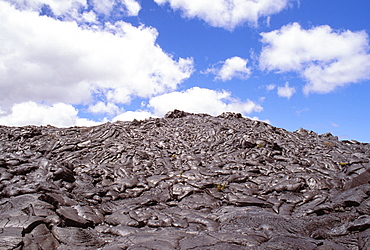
[(185, 181)]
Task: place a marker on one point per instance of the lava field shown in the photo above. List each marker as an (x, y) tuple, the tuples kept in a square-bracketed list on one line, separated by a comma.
[(184, 181)]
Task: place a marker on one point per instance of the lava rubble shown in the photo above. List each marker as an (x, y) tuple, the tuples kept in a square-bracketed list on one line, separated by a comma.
[(185, 181)]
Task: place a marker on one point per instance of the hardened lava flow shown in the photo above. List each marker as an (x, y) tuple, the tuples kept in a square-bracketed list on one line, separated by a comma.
[(185, 181)]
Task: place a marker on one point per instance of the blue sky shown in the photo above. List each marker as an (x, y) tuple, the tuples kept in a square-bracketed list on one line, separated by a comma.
[(84, 62)]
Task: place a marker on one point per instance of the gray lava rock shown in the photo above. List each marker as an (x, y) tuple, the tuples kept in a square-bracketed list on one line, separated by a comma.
[(185, 181)]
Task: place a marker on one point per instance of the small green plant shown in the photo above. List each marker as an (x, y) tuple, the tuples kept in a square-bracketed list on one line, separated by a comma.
[(342, 164), (221, 186)]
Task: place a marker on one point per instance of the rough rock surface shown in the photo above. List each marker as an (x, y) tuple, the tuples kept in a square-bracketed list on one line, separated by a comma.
[(184, 181)]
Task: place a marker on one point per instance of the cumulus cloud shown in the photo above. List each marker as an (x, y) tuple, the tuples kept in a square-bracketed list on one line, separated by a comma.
[(232, 67), (104, 108), (31, 113), (227, 13), (47, 60), (324, 57), (132, 6), (196, 100), (286, 91), (201, 100)]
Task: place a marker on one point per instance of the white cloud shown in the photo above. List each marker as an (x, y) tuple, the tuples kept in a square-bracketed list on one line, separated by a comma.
[(58, 7), (201, 100), (31, 113), (104, 108), (47, 60), (132, 6), (324, 57), (76, 9), (232, 67), (268, 21), (196, 100), (88, 17), (299, 112), (286, 91), (105, 7), (324, 79), (131, 115), (227, 13), (270, 87)]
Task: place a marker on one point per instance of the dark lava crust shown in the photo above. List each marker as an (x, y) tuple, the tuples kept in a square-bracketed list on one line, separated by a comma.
[(184, 181)]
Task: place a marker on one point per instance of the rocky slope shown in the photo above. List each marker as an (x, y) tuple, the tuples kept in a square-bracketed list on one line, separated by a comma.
[(184, 181)]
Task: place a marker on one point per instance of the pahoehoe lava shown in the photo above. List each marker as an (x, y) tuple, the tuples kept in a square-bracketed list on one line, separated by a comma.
[(184, 181)]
